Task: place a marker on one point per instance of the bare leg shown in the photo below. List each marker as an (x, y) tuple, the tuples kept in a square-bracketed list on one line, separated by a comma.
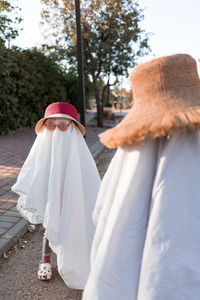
[(45, 269), (46, 251)]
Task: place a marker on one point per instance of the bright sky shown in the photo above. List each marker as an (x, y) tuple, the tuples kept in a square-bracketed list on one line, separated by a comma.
[(175, 25), (31, 34)]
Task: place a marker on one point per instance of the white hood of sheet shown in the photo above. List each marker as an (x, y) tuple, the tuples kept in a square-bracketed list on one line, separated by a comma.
[(147, 240), (58, 185)]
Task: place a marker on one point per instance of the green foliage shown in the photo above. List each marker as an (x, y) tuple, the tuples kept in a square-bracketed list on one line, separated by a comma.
[(9, 19), (29, 81), (73, 89), (107, 104)]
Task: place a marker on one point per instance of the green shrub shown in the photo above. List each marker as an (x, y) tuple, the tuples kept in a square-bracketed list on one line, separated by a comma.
[(107, 104), (29, 82)]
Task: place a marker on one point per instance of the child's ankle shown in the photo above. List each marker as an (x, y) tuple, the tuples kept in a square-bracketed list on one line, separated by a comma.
[(46, 258)]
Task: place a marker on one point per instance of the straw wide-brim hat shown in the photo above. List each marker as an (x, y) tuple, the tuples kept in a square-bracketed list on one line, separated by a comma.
[(166, 94), (60, 110)]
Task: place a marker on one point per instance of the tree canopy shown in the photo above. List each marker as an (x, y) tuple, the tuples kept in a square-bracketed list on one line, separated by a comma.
[(112, 38), (8, 21)]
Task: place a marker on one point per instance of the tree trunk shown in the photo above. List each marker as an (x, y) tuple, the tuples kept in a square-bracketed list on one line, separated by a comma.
[(108, 93), (98, 103), (102, 100)]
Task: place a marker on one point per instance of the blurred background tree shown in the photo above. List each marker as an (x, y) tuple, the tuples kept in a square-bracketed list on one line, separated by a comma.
[(9, 21), (112, 39)]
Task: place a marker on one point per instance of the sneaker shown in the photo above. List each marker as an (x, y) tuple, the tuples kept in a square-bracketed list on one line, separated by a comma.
[(44, 271)]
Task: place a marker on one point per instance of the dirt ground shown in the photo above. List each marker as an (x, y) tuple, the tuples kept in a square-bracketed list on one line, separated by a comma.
[(18, 270)]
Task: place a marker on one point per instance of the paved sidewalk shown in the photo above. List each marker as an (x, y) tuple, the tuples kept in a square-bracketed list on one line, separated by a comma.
[(14, 149)]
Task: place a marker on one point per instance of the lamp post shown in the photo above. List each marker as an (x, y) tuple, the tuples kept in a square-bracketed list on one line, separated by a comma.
[(80, 63)]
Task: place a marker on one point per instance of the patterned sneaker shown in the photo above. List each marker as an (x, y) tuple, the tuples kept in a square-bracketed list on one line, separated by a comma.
[(44, 271)]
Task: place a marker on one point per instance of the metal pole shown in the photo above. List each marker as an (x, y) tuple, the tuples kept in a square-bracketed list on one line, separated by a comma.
[(120, 96), (80, 63)]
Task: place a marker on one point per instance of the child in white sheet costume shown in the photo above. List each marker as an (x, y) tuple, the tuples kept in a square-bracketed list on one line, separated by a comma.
[(58, 185), (147, 214)]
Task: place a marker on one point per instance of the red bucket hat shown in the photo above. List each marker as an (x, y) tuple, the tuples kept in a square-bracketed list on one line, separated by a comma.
[(60, 110)]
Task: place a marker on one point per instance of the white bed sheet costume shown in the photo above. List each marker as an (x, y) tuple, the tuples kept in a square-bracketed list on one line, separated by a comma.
[(147, 214), (58, 185)]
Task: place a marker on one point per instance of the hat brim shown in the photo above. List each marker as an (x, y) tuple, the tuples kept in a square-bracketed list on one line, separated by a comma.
[(134, 131), (40, 123)]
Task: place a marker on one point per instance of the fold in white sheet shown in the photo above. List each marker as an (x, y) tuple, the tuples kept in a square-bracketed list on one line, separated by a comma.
[(58, 185), (147, 239)]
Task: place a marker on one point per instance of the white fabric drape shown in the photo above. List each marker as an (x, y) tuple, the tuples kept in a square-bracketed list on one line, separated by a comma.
[(147, 239), (58, 185)]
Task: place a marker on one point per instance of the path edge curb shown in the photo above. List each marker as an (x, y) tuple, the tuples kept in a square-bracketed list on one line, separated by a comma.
[(10, 238)]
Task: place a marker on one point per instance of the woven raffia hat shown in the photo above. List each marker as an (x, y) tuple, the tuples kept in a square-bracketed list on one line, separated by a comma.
[(60, 110), (166, 93)]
